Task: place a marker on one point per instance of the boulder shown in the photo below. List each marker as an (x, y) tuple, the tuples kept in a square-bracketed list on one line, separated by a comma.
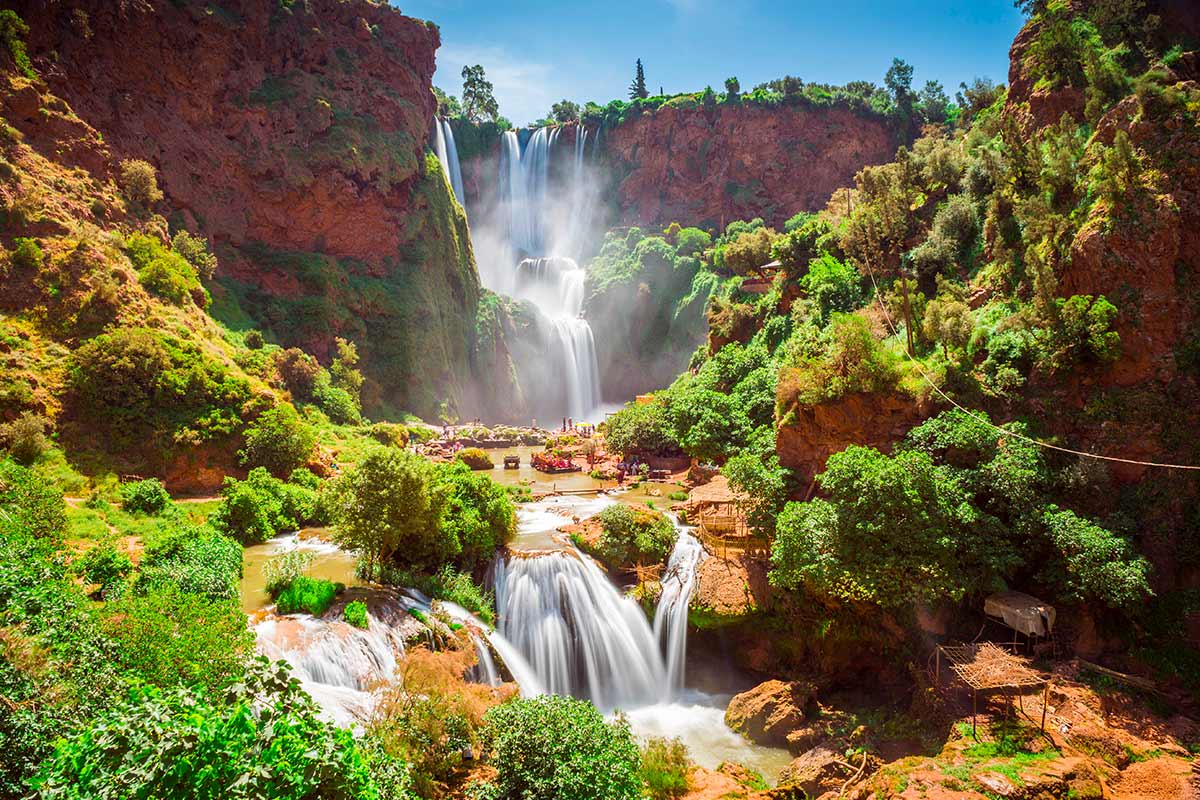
[(816, 772), (770, 711)]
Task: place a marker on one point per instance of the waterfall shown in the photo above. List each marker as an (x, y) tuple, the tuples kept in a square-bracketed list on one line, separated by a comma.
[(582, 637), (447, 153), (554, 284), (671, 616)]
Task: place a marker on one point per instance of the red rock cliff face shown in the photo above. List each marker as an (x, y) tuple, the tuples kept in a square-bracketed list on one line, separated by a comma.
[(739, 162), (293, 137)]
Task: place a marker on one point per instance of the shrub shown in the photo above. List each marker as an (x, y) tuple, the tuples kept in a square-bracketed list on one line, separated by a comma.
[(25, 437), (164, 272), (1094, 561), (298, 371), (355, 614), (389, 433), (478, 515), (104, 566), (13, 31), (338, 404), (195, 250), (193, 559), (665, 768), (261, 506), (1082, 332), (278, 440), (642, 429), (263, 738), (253, 339), (282, 570), (312, 595), (144, 497), (140, 183), (26, 254), (475, 458), (834, 285), (31, 504), (171, 638), (634, 536), (548, 748)]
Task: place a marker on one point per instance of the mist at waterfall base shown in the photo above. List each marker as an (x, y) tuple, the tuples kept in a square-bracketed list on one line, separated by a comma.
[(536, 218), (564, 628)]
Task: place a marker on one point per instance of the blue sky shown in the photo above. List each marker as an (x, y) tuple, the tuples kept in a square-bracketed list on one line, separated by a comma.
[(539, 51)]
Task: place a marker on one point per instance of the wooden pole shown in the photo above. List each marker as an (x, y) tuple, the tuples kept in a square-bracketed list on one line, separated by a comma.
[(1045, 702), (974, 711)]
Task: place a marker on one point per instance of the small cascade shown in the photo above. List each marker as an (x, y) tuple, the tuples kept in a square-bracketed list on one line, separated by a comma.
[(582, 637), (671, 616), (447, 153), (577, 632)]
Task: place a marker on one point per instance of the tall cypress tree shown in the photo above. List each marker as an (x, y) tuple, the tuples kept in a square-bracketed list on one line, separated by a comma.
[(638, 87)]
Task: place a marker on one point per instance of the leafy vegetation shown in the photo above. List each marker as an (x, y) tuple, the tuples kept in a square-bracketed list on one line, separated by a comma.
[(551, 747), (634, 536)]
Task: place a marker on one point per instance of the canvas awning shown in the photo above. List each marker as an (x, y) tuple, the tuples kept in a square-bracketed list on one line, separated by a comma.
[(1022, 612)]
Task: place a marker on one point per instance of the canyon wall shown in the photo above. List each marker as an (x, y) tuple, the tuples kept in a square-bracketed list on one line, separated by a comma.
[(293, 136), (709, 168)]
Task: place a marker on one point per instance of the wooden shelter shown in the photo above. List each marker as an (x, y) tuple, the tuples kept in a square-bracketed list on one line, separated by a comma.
[(988, 668)]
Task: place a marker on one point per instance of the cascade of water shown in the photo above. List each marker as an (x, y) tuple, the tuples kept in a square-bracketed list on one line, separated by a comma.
[(455, 169), (582, 637), (671, 616)]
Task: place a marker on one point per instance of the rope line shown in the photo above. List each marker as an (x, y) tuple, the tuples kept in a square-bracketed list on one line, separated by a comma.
[(981, 420)]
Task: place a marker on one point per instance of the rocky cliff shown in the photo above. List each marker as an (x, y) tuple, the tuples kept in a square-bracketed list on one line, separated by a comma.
[(291, 135), (710, 168)]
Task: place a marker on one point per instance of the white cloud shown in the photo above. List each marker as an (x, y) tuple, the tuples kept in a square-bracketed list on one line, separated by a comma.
[(524, 89)]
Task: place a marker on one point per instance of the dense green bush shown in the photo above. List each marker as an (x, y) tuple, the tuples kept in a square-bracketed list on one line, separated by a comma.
[(261, 506), (262, 737), (105, 566), (642, 429), (478, 516), (389, 433), (1094, 561), (278, 440), (665, 768), (13, 31), (164, 272), (31, 504), (834, 285), (192, 559), (144, 497), (549, 748), (445, 584), (25, 437), (355, 613), (475, 458), (173, 638), (140, 387), (194, 250), (298, 371), (634, 537), (310, 595)]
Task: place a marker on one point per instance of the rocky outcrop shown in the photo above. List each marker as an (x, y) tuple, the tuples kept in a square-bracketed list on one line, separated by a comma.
[(809, 434), (771, 711), (710, 168), (292, 135)]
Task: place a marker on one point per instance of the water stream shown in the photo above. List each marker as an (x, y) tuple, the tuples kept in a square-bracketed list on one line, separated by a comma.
[(447, 153)]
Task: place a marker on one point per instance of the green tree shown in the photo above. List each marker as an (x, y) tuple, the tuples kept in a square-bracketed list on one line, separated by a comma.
[(140, 183), (642, 429), (388, 508), (447, 105), (637, 89), (550, 748), (195, 250), (1095, 563), (948, 320), (278, 440), (630, 536), (565, 111), (933, 102), (733, 90), (834, 285), (13, 31), (478, 101), (899, 82), (478, 515), (893, 531)]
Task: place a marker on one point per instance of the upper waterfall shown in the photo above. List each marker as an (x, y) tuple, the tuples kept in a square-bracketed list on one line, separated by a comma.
[(447, 153)]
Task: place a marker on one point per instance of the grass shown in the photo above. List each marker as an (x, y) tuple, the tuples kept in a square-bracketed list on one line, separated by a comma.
[(311, 595), (1007, 755), (356, 614), (665, 768), (455, 587)]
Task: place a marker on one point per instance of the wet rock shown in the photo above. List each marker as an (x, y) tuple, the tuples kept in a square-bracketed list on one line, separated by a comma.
[(818, 771), (770, 711)]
